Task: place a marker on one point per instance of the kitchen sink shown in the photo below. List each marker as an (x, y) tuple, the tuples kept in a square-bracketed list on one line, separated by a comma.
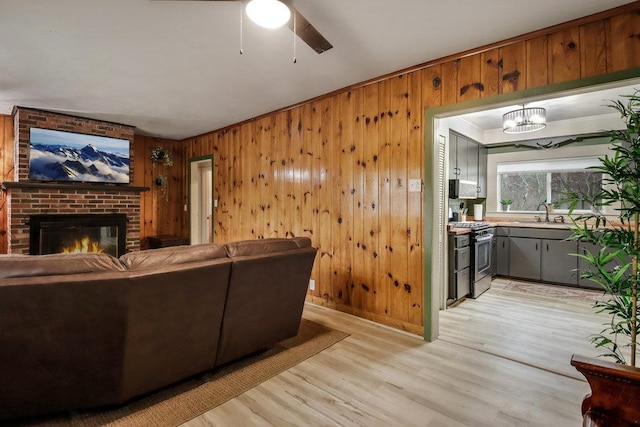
[(532, 222)]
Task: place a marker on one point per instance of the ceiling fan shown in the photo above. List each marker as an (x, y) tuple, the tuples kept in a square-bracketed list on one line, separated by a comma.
[(294, 20)]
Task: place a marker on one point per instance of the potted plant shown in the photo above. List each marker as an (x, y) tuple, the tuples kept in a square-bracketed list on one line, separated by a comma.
[(506, 204), (615, 387)]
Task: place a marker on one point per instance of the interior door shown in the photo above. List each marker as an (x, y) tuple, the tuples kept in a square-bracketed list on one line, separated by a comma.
[(201, 202)]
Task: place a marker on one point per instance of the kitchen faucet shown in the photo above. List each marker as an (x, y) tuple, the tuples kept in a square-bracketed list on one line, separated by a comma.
[(546, 210)]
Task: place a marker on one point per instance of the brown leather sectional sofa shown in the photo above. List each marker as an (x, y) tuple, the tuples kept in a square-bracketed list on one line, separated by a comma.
[(89, 330)]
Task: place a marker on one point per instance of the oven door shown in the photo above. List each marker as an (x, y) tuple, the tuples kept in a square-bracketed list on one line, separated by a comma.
[(482, 256), (482, 265)]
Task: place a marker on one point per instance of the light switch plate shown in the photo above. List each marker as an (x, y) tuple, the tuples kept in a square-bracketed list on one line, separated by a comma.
[(415, 185)]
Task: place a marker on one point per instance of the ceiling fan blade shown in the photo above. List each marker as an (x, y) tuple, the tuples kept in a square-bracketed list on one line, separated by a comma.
[(304, 29), (308, 32)]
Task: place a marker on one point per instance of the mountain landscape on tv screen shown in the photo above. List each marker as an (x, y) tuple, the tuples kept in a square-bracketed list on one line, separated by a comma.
[(53, 162), (69, 156)]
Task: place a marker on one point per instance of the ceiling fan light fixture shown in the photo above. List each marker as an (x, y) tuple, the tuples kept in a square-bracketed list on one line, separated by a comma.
[(524, 120), (268, 13)]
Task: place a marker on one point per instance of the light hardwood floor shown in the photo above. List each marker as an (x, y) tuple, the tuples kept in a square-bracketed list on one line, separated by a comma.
[(500, 360)]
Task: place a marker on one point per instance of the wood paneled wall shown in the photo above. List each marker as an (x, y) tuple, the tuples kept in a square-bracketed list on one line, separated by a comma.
[(337, 168), (162, 212), (6, 174)]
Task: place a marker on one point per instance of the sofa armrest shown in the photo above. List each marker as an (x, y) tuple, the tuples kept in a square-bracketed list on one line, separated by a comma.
[(265, 301)]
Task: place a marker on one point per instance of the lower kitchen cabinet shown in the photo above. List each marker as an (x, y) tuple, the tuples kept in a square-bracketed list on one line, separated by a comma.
[(459, 255), (462, 283), (540, 254), (557, 263), (502, 256), (524, 258), (584, 265)]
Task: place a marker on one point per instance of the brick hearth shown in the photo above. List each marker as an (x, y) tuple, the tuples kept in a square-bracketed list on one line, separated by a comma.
[(26, 198)]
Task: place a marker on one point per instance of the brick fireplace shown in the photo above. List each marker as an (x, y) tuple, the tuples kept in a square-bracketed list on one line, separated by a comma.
[(26, 198)]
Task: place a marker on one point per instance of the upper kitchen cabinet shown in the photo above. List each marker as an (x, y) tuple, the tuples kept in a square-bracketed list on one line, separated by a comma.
[(472, 161), (468, 161), (482, 171), (453, 159), (457, 156)]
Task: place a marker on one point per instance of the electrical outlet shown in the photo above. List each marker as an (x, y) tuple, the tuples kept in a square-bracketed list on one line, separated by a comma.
[(415, 185), (312, 285)]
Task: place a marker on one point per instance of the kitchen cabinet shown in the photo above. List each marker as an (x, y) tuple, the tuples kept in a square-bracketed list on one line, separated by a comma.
[(501, 261), (494, 254), (502, 255), (482, 172), (453, 156), (557, 263), (468, 162), (472, 161), (539, 254), (524, 258), (459, 255), (458, 162), (584, 265)]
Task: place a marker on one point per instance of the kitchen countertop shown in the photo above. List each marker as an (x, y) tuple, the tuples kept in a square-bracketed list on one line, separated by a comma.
[(459, 231), (522, 224), (534, 224)]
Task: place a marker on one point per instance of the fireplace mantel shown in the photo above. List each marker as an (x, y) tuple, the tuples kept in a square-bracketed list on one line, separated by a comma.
[(72, 186)]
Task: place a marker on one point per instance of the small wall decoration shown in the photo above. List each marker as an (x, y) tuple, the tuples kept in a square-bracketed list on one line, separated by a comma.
[(162, 157)]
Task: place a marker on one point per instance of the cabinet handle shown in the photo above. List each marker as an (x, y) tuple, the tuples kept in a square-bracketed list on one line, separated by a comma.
[(547, 247), (536, 246)]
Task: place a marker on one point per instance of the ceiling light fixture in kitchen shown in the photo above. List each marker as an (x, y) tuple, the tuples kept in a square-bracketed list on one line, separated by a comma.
[(524, 120)]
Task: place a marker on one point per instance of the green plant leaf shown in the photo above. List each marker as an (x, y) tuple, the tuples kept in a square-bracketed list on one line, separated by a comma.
[(614, 266)]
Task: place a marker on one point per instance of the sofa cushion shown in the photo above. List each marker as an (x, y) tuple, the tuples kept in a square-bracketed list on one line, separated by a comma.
[(172, 255), (56, 264), (261, 246)]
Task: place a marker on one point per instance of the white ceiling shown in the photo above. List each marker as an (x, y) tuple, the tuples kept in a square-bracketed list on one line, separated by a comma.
[(173, 68)]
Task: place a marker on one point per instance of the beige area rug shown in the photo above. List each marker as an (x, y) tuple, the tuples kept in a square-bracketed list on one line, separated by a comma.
[(180, 403), (554, 291)]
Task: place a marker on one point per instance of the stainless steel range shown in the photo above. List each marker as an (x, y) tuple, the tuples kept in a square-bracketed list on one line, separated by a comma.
[(480, 272)]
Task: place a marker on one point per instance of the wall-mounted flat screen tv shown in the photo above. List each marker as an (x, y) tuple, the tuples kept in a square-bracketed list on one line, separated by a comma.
[(66, 156)]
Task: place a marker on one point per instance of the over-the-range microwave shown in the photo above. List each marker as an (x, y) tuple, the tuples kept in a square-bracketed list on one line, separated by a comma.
[(462, 189)]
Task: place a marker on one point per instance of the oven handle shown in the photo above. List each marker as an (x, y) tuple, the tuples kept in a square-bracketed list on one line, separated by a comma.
[(486, 237)]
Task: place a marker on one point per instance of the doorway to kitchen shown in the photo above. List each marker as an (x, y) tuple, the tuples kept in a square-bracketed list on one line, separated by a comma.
[(201, 201), (437, 125)]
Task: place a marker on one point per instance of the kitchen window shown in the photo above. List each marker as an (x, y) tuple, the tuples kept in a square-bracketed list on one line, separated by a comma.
[(528, 184)]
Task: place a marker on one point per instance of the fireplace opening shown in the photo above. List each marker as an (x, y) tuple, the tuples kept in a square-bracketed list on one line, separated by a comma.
[(52, 234)]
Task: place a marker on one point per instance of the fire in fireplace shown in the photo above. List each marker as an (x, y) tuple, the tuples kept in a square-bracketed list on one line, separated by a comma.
[(84, 245), (51, 234)]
